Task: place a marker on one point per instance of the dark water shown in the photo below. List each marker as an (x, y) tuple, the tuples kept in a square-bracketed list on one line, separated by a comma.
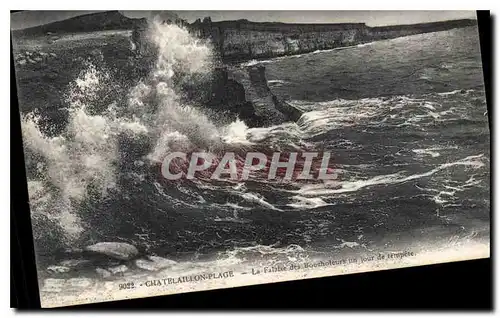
[(425, 63), (404, 120)]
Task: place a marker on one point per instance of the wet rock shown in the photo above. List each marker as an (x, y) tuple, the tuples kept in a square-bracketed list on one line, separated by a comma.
[(117, 250), (245, 95), (266, 104), (155, 263), (75, 263), (144, 264), (58, 269), (73, 250), (118, 269), (223, 95), (103, 273), (162, 261), (291, 112)]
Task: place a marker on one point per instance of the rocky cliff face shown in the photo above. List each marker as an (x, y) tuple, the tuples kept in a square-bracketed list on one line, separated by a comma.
[(223, 95), (267, 107), (390, 32), (244, 40), (243, 94)]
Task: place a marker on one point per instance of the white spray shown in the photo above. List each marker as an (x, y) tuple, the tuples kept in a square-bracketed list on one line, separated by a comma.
[(86, 152)]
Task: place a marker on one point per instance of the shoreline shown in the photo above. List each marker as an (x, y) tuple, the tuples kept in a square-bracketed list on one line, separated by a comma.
[(232, 61), (192, 277)]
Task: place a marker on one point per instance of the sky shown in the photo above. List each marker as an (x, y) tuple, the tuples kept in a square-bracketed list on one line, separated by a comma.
[(25, 19)]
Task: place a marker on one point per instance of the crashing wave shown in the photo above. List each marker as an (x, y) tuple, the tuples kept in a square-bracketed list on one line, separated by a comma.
[(85, 158)]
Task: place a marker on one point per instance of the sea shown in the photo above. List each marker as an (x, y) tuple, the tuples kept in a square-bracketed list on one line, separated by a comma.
[(405, 121)]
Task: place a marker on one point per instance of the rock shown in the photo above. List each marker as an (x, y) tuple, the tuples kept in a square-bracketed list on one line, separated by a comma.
[(73, 250), (162, 261), (103, 273), (22, 62), (58, 269), (118, 250), (53, 54), (155, 263), (74, 263), (223, 95), (291, 112), (118, 269), (230, 95), (266, 104), (147, 265), (245, 95)]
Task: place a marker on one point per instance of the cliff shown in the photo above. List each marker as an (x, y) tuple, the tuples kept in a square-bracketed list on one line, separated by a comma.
[(245, 40), (266, 106), (242, 40), (102, 21), (243, 94), (390, 32)]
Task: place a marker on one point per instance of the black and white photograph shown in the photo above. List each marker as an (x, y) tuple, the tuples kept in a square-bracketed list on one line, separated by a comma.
[(169, 152)]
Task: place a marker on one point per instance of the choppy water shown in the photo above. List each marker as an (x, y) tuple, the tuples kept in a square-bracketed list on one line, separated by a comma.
[(404, 120)]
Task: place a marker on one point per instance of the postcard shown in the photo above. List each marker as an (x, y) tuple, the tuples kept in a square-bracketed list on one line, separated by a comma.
[(176, 151)]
